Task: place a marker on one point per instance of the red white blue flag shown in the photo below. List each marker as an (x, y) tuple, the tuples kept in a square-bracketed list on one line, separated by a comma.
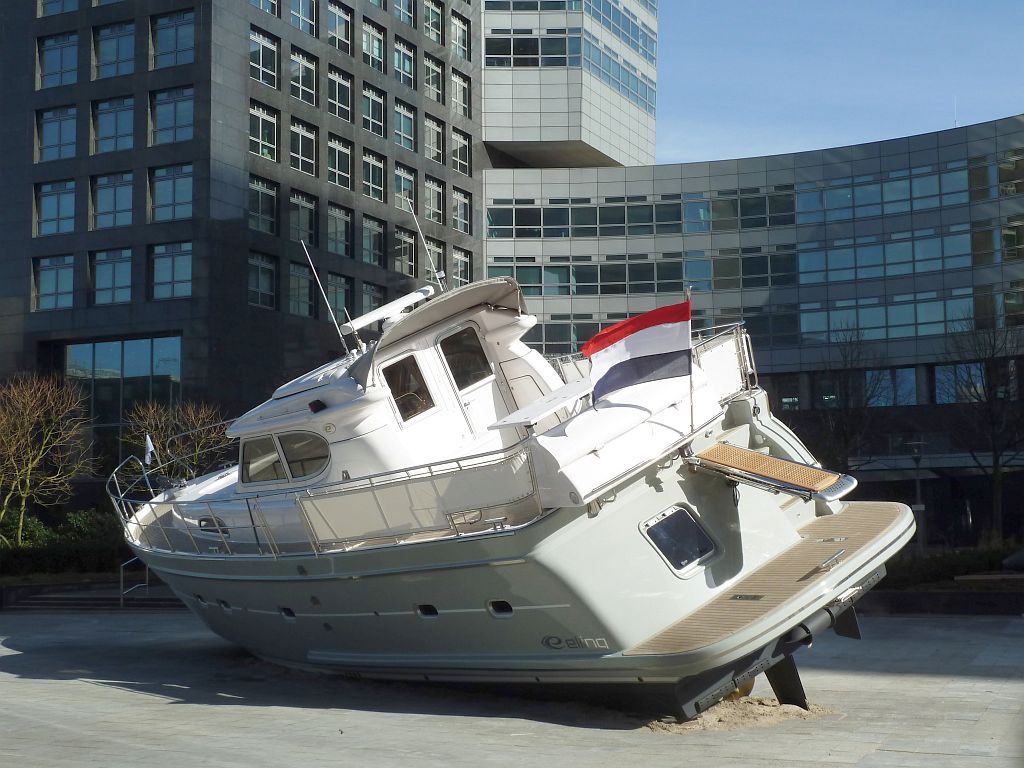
[(648, 347)]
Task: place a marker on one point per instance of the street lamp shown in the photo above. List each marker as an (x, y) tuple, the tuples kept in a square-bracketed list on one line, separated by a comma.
[(919, 516)]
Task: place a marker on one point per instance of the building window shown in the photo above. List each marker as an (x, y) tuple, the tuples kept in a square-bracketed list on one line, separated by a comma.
[(174, 39), (462, 210), (114, 50), (461, 267), (172, 270), (339, 294), (112, 276), (405, 63), (270, 6), (303, 16), (405, 11), (339, 26), (433, 79), (172, 192), (112, 200), (58, 60), (303, 76), (460, 152), (405, 126), (263, 131), (434, 139), (435, 253), (373, 175), (434, 200), (113, 125), (262, 205), (301, 299), (57, 132), (433, 20), (339, 94), (373, 241), (339, 161), (53, 7), (460, 36), (373, 297), (339, 230), (961, 383), (405, 252), (263, 57), (173, 115), (373, 46), (302, 215), (460, 93), (54, 278), (55, 208), (302, 152), (405, 188), (262, 281), (117, 374), (373, 110)]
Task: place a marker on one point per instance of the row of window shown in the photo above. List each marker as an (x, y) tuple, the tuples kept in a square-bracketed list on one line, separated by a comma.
[(302, 214), (696, 215), (609, 13), (570, 48), (945, 384), (304, 71), (170, 192), (110, 276), (172, 42), (112, 124), (304, 146), (305, 15), (169, 276), (845, 321)]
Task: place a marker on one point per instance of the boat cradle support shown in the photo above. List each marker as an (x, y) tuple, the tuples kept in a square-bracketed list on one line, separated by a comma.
[(694, 695)]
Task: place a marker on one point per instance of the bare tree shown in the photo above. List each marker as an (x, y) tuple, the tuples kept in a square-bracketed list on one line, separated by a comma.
[(848, 384), (43, 423), (188, 437), (987, 420)]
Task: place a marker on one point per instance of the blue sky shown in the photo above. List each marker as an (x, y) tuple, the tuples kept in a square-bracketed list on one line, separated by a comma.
[(744, 78)]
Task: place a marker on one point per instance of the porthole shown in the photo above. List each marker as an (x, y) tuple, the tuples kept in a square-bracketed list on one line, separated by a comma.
[(500, 609), (427, 611)]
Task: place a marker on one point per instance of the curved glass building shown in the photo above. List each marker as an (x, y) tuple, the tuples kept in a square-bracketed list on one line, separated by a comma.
[(854, 268)]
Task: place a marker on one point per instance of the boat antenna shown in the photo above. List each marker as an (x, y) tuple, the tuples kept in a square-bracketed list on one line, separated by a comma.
[(439, 276), (355, 332), (326, 300)]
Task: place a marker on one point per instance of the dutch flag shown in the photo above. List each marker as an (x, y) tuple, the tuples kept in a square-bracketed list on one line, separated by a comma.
[(648, 347)]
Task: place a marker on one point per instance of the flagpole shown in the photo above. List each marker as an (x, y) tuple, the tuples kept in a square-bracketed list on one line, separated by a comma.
[(688, 298)]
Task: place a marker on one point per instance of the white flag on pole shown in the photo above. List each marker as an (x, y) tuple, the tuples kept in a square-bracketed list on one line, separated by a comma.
[(150, 450)]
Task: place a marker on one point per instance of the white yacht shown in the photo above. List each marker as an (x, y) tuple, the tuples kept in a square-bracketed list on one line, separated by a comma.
[(446, 504)]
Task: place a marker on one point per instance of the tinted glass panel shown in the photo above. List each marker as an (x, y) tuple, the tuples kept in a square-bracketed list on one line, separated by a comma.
[(260, 462), (408, 388), (465, 358), (306, 453), (680, 539)]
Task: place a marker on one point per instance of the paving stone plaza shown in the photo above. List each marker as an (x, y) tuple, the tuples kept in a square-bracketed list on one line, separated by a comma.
[(155, 690)]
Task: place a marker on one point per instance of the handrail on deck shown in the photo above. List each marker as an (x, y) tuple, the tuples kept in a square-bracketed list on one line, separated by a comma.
[(144, 583)]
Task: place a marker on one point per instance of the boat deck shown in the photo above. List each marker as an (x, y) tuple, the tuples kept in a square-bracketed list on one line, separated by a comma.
[(825, 543)]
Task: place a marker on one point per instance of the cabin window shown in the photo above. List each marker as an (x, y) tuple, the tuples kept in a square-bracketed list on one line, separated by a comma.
[(465, 358), (306, 453), (679, 538), (408, 387), (261, 462)]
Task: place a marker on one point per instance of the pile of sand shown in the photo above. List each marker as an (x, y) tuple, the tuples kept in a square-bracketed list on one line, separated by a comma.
[(748, 712)]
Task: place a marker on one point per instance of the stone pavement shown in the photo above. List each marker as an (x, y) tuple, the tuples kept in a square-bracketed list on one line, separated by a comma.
[(158, 690)]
